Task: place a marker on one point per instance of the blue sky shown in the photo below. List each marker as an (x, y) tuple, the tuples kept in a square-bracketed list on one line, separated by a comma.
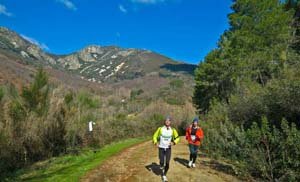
[(185, 30)]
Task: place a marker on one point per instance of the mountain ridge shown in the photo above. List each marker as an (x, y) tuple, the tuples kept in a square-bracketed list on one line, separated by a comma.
[(95, 63)]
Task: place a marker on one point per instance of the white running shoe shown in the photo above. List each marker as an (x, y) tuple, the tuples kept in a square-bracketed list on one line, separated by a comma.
[(190, 163), (193, 165), (165, 179)]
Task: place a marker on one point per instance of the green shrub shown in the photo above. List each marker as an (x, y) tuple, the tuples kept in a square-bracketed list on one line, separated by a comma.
[(282, 100), (135, 93), (263, 150), (17, 111), (54, 134), (175, 100), (86, 100), (1, 93), (176, 84), (154, 121), (12, 91), (36, 95), (69, 97)]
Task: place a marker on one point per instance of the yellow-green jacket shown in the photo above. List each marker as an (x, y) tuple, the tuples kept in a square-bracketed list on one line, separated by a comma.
[(163, 134)]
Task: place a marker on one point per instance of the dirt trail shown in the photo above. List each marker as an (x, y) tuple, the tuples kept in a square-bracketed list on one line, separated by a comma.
[(140, 163)]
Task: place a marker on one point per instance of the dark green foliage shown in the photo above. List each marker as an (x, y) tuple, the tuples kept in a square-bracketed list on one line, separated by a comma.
[(256, 47), (278, 99), (254, 74), (12, 91), (69, 97), (86, 100), (17, 112), (262, 150), (36, 95), (212, 81), (175, 84), (283, 100), (20, 136), (135, 93), (174, 94), (4, 155), (54, 135), (155, 120), (294, 5), (247, 105), (175, 100), (1, 93)]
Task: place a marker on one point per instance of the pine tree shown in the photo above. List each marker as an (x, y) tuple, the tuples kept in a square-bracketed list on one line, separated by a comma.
[(255, 47)]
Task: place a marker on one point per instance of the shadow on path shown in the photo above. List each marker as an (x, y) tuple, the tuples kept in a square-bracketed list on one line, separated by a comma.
[(181, 161), (222, 167), (155, 168)]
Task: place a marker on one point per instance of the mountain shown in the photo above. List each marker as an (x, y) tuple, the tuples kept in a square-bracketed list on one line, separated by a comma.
[(100, 64), (15, 44)]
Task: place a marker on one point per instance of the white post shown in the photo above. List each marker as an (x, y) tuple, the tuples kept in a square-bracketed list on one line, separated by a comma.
[(91, 123), (91, 126)]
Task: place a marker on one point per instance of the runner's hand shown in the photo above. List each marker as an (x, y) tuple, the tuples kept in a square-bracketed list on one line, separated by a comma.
[(172, 143)]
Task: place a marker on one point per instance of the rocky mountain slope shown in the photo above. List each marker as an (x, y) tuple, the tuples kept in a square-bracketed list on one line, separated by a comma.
[(108, 64)]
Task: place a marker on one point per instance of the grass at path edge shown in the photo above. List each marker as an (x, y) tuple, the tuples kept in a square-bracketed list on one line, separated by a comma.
[(72, 167)]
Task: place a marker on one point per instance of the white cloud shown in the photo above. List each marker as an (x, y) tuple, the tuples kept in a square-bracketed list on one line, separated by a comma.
[(34, 41), (4, 11), (69, 4), (122, 8), (148, 1)]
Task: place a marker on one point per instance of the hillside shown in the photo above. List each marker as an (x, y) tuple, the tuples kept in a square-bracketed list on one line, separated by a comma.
[(44, 112), (97, 64)]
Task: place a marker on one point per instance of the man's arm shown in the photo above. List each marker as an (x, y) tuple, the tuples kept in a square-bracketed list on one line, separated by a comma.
[(155, 136), (176, 136), (200, 135)]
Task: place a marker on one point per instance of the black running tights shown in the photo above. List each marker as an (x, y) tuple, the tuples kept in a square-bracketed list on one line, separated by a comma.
[(164, 159)]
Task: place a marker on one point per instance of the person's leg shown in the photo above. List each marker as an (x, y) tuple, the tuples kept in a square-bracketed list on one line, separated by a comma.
[(195, 152), (191, 155), (168, 157), (161, 154), (191, 151)]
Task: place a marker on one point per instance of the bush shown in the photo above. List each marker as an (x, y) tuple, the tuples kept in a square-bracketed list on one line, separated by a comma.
[(86, 100), (278, 99), (54, 134), (263, 150), (282, 100), (1, 93), (135, 93), (16, 111), (36, 95), (176, 84), (69, 97), (175, 100), (247, 105)]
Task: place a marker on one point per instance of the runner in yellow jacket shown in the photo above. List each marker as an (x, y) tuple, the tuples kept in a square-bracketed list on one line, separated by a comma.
[(163, 138)]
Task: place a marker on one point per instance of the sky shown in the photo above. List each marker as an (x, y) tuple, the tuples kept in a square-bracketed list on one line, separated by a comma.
[(184, 30)]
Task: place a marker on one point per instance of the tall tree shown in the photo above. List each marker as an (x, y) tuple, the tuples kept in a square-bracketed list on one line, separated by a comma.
[(255, 47)]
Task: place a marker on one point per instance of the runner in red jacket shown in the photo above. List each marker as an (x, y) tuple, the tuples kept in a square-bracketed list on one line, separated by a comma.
[(194, 135)]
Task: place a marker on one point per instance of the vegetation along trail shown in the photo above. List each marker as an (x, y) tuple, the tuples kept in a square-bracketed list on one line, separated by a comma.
[(140, 163)]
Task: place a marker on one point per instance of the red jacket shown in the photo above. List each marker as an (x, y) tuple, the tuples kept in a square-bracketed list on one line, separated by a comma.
[(199, 135)]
